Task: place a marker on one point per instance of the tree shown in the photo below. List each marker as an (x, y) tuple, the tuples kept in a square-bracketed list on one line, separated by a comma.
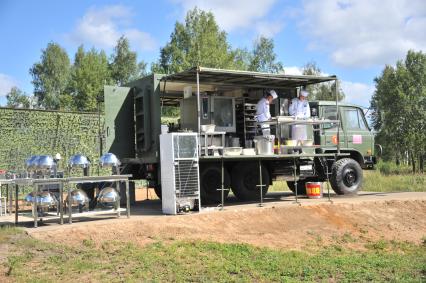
[(123, 65), (197, 42), (90, 73), (51, 76), (399, 109), (323, 91), (263, 58), (16, 98)]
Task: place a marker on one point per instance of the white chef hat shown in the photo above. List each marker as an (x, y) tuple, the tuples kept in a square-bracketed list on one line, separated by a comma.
[(304, 93), (273, 94)]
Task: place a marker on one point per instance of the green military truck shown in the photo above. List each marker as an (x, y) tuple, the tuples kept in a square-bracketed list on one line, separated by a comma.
[(343, 143)]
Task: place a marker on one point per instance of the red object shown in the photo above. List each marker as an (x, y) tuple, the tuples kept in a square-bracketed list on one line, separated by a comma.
[(314, 189)]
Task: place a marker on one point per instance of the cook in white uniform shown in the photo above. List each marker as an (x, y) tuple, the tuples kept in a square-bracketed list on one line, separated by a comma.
[(262, 111), (299, 108)]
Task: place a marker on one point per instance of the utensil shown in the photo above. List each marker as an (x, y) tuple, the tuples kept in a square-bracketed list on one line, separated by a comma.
[(78, 160), (232, 151)]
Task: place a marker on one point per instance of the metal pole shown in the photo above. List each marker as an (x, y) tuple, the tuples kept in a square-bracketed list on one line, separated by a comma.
[(69, 204), (295, 178), (35, 212), (117, 202), (61, 203), (16, 203), (337, 115), (10, 192), (198, 108), (127, 199), (261, 185), (223, 186)]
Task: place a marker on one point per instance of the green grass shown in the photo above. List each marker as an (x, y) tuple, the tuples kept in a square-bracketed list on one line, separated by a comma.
[(35, 261), (375, 181)]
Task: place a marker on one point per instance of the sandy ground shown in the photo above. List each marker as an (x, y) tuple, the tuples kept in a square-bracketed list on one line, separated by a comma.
[(279, 224)]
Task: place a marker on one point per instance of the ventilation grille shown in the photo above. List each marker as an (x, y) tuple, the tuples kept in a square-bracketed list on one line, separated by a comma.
[(186, 178)]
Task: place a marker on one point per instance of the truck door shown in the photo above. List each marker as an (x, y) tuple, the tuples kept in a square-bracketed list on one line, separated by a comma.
[(356, 129), (119, 121), (328, 132)]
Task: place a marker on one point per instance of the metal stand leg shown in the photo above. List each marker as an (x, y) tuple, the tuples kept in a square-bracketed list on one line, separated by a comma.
[(61, 203), (260, 184), (295, 181), (16, 203), (35, 212), (69, 204), (10, 191), (328, 183), (117, 202), (222, 186), (127, 199)]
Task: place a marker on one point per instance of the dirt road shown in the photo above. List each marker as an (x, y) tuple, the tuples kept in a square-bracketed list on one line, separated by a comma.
[(279, 224)]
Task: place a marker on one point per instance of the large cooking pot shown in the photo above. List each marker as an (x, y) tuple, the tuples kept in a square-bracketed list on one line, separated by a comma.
[(109, 160), (108, 197), (78, 197), (42, 198), (44, 163), (264, 144)]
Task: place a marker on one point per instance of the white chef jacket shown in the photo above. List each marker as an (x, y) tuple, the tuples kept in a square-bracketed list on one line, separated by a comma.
[(263, 114), (301, 110)]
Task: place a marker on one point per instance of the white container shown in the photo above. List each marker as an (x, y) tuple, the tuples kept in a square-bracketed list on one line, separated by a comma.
[(249, 151), (208, 128), (232, 151), (164, 129)]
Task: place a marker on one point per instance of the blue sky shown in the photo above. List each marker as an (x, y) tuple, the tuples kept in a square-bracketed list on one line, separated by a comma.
[(348, 38)]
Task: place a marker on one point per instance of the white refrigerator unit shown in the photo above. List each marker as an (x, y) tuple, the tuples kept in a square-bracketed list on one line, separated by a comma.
[(180, 187)]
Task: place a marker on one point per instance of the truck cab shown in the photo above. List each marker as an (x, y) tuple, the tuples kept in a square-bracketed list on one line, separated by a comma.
[(355, 135)]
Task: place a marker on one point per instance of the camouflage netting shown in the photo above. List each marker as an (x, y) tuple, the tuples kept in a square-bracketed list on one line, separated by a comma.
[(34, 132)]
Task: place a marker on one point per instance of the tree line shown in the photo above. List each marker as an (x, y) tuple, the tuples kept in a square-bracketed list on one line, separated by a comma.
[(399, 111), (198, 41)]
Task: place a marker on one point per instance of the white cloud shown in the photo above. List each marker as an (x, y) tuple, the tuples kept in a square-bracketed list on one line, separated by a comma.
[(6, 83), (232, 15), (102, 27), (357, 93), (363, 33)]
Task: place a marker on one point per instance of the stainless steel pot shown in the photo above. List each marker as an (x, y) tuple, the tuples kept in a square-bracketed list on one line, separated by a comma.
[(44, 163), (109, 160), (31, 162), (108, 196), (264, 144), (78, 197), (42, 199), (78, 161)]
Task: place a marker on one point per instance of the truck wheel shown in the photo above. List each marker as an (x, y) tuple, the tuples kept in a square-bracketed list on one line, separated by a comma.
[(157, 190), (245, 178), (346, 176), (211, 182), (301, 189)]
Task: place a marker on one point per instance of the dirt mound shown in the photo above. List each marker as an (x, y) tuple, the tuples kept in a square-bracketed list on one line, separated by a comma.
[(282, 227)]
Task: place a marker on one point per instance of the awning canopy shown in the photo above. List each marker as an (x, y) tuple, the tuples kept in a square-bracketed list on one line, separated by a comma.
[(245, 78)]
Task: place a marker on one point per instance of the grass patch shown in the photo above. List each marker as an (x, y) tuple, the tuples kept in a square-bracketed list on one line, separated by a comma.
[(376, 182), (37, 261)]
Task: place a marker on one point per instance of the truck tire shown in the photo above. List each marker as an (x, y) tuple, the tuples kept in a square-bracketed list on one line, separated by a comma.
[(245, 178), (346, 176), (211, 182), (301, 189)]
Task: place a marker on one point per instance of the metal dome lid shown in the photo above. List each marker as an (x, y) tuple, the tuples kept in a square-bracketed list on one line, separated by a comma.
[(78, 160), (109, 159), (78, 197), (44, 162), (31, 162)]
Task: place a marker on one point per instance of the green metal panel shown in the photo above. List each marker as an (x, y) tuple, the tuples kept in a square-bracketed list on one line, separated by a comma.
[(119, 121)]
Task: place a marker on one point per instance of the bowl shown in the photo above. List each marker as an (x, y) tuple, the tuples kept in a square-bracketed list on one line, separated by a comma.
[(208, 128), (232, 151)]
